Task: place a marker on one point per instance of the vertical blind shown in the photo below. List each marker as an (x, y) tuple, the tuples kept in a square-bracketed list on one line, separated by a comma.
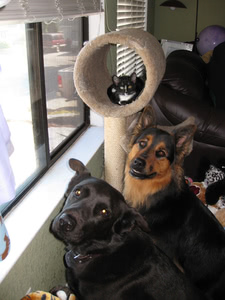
[(130, 14), (47, 10)]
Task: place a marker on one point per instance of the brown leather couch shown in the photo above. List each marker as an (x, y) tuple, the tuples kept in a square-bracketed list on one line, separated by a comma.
[(186, 91)]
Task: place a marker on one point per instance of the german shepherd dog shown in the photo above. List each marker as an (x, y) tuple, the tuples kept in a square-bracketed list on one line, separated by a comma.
[(110, 255), (179, 223)]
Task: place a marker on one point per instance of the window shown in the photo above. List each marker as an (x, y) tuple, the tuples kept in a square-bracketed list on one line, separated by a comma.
[(130, 14), (37, 95)]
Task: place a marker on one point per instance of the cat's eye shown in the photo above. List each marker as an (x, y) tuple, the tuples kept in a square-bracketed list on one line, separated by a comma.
[(160, 153), (142, 144), (129, 86)]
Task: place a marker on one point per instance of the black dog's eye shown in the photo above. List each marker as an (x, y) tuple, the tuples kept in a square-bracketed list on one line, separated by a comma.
[(160, 153), (142, 144), (77, 192), (104, 212)]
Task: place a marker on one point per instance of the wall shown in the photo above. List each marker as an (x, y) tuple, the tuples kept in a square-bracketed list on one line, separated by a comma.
[(179, 25), (151, 16), (110, 25), (110, 15), (41, 265)]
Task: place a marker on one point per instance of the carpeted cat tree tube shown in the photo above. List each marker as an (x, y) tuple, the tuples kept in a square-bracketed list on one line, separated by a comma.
[(92, 79)]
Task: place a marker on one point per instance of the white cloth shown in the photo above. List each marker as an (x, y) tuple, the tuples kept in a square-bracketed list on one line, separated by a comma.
[(7, 181)]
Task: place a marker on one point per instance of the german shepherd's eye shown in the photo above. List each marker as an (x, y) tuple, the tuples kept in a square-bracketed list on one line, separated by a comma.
[(160, 153), (142, 144)]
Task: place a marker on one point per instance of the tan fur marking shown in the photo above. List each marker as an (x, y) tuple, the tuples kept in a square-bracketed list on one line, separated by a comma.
[(137, 190)]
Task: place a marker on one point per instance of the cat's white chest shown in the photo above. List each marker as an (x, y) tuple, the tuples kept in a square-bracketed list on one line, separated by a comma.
[(126, 97)]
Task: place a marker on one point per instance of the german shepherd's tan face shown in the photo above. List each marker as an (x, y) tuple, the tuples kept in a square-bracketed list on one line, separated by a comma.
[(155, 158)]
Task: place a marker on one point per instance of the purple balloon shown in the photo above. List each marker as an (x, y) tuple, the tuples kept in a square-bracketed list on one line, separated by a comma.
[(210, 37)]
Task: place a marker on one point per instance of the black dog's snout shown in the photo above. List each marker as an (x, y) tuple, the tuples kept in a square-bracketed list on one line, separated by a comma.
[(66, 222), (138, 163)]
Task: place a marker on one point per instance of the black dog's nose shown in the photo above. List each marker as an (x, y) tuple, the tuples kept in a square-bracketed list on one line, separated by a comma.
[(66, 222), (138, 163)]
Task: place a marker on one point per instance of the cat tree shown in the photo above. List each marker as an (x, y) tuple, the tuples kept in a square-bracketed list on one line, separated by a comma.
[(92, 78)]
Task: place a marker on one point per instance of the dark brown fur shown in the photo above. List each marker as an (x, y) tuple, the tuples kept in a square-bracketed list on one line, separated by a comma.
[(180, 224)]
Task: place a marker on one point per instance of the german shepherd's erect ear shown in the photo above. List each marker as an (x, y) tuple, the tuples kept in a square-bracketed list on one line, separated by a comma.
[(184, 134), (146, 119), (136, 124)]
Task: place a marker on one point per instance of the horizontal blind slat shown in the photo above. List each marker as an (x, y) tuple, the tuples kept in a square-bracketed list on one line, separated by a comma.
[(124, 59), (42, 10), (130, 2)]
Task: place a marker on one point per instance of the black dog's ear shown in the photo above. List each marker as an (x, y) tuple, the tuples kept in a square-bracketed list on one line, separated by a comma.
[(129, 221), (77, 166), (81, 173)]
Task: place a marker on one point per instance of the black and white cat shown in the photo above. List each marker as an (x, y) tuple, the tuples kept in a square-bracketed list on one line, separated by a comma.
[(125, 89)]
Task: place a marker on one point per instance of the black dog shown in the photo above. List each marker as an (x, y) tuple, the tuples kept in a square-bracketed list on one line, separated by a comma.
[(110, 255), (180, 224)]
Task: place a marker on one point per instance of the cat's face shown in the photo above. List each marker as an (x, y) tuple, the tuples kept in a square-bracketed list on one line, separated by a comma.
[(125, 89), (125, 85)]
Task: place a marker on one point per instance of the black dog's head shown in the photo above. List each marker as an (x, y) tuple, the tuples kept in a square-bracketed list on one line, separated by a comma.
[(156, 156), (94, 215)]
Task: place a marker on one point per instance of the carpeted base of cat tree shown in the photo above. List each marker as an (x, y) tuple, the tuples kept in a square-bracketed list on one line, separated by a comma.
[(92, 79)]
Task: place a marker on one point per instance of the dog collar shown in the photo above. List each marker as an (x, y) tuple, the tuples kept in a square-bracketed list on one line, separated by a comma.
[(82, 258), (79, 258)]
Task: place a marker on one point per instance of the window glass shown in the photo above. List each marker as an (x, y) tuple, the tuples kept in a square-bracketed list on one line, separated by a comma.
[(15, 101), (61, 43), (37, 94)]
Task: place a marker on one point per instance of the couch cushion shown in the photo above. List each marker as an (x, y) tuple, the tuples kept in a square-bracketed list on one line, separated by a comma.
[(216, 76), (172, 109), (185, 73)]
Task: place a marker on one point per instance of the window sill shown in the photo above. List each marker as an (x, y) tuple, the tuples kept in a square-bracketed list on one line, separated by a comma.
[(26, 219)]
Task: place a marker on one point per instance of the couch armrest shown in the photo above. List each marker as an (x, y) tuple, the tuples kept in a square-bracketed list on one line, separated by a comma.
[(177, 107)]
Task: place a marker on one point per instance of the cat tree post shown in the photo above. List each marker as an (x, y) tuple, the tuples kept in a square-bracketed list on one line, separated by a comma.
[(92, 79), (115, 156)]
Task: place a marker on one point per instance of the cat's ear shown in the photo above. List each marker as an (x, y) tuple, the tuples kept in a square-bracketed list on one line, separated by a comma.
[(133, 77), (115, 80)]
